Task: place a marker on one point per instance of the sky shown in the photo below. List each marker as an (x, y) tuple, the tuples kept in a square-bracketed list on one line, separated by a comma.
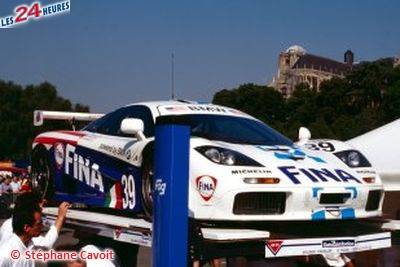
[(106, 54)]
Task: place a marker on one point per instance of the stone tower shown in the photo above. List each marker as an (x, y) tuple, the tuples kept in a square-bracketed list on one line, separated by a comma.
[(286, 61), (349, 58)]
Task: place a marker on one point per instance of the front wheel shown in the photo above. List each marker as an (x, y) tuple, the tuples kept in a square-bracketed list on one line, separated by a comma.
[(147, 185)]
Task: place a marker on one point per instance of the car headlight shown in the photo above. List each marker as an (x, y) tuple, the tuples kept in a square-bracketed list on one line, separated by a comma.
[(225, 156), (353, 158)]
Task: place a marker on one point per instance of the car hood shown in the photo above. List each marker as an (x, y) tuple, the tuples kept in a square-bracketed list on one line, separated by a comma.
[(294, 165)]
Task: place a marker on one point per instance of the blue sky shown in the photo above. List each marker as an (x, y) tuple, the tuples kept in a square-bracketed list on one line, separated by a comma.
[(107, 55)]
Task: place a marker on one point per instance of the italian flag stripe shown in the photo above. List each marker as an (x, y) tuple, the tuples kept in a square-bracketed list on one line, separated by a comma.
[(114, 197)]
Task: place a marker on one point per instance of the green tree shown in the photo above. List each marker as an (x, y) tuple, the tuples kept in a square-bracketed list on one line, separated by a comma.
[(366, 98), (262, 102), (16, 116)]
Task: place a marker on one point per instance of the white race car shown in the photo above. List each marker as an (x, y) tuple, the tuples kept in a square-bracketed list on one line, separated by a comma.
[(240, 169)]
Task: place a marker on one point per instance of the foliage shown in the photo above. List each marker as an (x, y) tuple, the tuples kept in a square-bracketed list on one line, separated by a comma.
[(368, 97), (16, 116)]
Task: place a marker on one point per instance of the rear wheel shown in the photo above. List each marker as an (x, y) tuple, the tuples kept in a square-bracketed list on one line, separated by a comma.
[(42, 174)]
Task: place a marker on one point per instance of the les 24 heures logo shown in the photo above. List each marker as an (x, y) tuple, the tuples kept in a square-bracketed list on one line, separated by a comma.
[(35, 11)]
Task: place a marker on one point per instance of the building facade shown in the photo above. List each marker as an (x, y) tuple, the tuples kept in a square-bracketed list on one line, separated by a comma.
[(296, 66)]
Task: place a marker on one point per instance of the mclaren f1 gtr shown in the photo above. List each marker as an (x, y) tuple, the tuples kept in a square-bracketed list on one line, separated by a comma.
[(240, 168)]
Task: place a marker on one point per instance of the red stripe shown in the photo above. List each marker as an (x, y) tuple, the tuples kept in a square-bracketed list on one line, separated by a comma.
[(52, 141)]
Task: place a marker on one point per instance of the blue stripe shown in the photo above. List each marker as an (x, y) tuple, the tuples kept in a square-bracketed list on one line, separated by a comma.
[(317, 159), (348, 214), (318, 216), (352, 188), (282, 156), (315, 191)]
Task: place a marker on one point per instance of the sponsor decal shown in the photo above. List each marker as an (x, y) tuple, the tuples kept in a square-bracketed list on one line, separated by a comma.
[(34, 11), (116, 151), (366, 172), (160, 186), (82, 169), (274, 246), (59, 155), (132, 155), (318, 175), (129, 154), (338, 243), (251, 171), (211, 109), (206, 186)]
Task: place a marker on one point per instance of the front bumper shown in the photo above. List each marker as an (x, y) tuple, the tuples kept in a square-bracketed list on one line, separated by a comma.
[(300, 203)]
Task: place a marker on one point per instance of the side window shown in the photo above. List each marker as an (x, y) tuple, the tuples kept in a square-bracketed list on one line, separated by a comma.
[(143, 113), (95, 125), (112, 122)]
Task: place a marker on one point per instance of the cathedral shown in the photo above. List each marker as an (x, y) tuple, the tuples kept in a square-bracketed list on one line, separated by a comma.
[(296, 66)]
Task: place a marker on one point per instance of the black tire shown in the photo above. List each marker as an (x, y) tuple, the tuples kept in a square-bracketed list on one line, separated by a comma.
[(42, 173), (147, 182)]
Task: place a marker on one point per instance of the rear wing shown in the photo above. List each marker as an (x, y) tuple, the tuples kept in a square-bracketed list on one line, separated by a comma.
[(40, 115)]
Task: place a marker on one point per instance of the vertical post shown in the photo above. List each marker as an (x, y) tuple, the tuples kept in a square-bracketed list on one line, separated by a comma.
[(170, 198)]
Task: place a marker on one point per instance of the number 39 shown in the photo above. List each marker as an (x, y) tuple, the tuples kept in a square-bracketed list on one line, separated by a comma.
[(128, 184), (325, 146)]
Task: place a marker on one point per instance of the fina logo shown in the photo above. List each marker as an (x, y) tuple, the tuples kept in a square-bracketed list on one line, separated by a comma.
[(206, 186), (82, 169)]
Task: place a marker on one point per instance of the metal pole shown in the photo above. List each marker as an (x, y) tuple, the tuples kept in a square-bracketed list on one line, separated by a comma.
[(170, 213), (172, 76)]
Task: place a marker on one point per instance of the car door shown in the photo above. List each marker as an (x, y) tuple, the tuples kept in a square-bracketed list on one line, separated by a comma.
[(118, 159)]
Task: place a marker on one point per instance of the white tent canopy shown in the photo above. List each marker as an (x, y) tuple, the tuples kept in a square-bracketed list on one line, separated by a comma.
[(382, 148)]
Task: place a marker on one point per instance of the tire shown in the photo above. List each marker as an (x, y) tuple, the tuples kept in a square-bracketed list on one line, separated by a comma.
[(42, 174), (147, 183)]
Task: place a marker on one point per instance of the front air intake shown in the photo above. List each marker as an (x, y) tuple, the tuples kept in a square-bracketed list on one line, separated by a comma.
[(260, 203), (374, 198), (334, 198)]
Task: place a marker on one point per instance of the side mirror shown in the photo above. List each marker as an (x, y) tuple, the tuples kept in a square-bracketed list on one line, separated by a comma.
[(304, 136), (133, 127)]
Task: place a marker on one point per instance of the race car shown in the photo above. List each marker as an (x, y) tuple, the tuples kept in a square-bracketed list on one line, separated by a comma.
[(240, 168)]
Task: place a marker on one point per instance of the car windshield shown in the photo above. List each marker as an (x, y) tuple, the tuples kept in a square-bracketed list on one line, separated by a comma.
[(236, 130)]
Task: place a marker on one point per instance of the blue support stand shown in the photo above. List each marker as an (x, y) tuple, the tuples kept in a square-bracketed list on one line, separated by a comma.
[(170, 198)]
